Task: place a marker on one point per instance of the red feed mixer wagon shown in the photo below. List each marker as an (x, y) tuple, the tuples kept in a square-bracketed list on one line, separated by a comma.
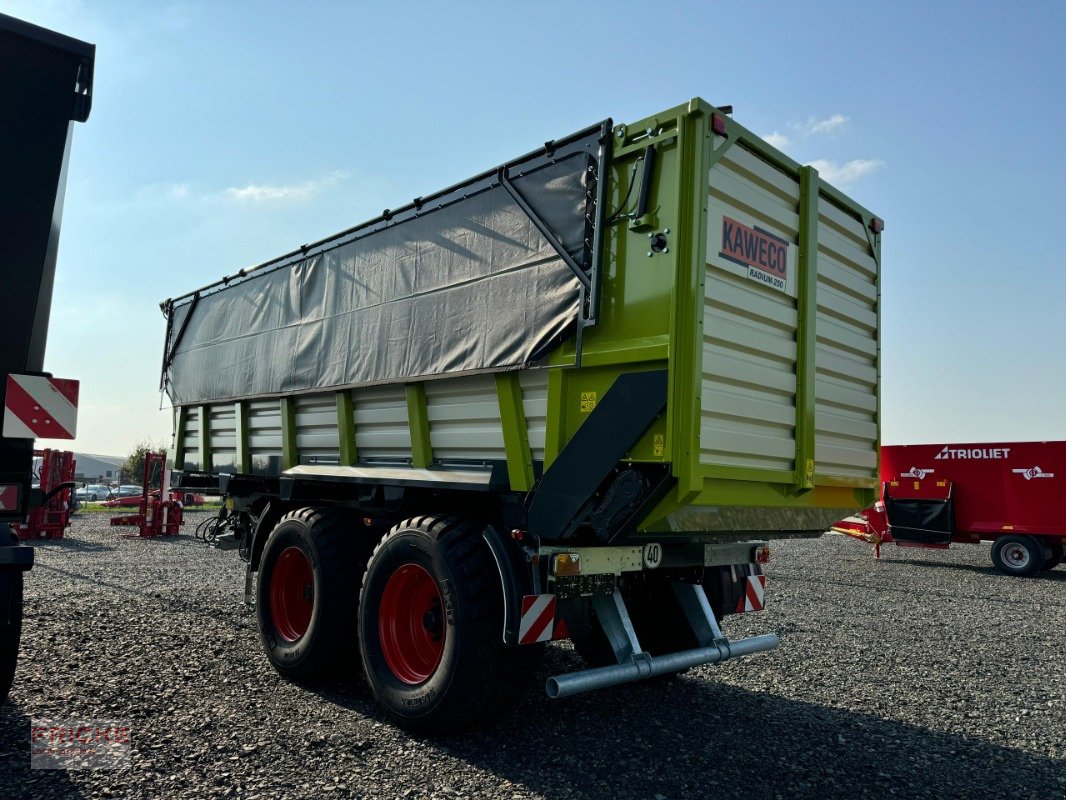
[(1010, 494)]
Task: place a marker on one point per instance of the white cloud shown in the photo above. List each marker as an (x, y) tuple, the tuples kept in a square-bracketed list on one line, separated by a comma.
[(259, 192), (266, 192), (814, 127), (848, 172), (778, 140), (248, 193), (176, 191)]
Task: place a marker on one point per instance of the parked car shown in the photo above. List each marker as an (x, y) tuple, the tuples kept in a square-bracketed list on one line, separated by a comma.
[(93, 492), (187, 498), (127, 490)]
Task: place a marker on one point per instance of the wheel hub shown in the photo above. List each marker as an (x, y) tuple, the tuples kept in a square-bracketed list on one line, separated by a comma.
[(411, 624), (292, 593), (1016, 556)]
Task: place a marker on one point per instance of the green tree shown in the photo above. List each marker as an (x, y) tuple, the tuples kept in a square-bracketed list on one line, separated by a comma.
[(132, 470)]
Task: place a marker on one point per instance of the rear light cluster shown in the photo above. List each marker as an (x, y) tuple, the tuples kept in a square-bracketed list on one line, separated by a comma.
[(565, 564), (762, 554)]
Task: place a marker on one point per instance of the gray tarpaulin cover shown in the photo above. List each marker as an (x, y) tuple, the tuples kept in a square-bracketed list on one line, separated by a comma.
[(468, 286)]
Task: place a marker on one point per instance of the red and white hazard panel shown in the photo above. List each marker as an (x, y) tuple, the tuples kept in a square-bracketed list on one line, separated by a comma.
[(754, 594), (538, 618), (9, 497), (40, 407)]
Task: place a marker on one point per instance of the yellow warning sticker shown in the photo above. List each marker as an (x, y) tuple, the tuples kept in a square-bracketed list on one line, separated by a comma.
[(588, 402), (658, 446)]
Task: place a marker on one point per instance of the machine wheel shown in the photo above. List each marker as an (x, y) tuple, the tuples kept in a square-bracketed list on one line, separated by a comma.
[(10, 620), (1018, 555), (430, 625), (306, 594), (1055, 558)]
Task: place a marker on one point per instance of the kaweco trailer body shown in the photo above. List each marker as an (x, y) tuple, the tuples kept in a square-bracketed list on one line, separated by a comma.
[(1006, 493), (45, 87), (600, 376)]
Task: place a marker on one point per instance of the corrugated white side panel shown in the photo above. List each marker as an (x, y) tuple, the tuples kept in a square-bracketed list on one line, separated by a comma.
[(191, 444), (222, 422), (264, 435), (534, 385), (748, 390), (464, 419), (317, 435), (846, 355), (381, 427)]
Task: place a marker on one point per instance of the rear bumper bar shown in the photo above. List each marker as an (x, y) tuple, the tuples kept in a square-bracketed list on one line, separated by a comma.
[(645, 666), (635, 664)]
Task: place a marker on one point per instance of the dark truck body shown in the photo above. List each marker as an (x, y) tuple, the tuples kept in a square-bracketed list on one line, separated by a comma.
[(45, 87), (600, 376)]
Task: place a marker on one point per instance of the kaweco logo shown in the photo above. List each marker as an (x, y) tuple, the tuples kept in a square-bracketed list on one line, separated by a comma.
[(972, 453), (764, 255)]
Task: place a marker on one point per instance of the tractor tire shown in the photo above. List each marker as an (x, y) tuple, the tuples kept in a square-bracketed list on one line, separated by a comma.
[(1018, 555), (1055, 558), (10, 620), (307, 594), (430, 628)]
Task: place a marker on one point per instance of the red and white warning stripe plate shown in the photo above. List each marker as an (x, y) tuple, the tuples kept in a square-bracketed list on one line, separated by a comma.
[(538, 618), (754, 594), (40, 407)]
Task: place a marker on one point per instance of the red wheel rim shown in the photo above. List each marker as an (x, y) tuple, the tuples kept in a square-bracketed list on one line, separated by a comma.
[(411, 624), (292, 594)]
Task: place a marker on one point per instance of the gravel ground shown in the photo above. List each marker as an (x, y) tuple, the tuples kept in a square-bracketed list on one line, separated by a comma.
[(922, 675)]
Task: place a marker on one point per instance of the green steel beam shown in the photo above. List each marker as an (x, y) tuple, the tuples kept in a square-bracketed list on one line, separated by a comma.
[(178, 458), (555, 437), (418, 419), (515, 434), (289, 456), (807, 314), (346, 428), (205, 439), (240, 429), (691, 253)]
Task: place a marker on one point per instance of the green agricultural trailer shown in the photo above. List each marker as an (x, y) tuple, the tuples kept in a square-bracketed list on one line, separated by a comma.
[(574, 397)]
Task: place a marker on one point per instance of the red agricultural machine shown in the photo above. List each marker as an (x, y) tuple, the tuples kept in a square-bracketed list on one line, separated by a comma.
[(157, 516), (934, 495), (55, 478)]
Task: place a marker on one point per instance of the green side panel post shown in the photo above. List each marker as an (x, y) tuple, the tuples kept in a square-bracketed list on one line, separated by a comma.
[(240, 429), (289, 457), (346, 428), (177, 457), (515, 434), (807, 308), (555, 436), (687, 371), (418, 419), (205, 439)]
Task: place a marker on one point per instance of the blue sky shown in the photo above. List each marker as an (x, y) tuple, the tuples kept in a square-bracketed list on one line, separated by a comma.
[(223, 134)]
